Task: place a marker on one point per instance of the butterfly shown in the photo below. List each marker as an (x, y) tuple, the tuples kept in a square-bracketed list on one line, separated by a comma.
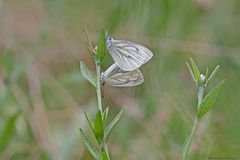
[(117, 77), (128, 55)]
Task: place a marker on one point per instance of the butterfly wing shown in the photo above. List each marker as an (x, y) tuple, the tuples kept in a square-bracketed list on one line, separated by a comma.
[(128, 55), (117, 77)]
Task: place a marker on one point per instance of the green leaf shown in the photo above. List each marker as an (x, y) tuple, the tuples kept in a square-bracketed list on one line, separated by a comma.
[(89, 121), (110, 127), (89, 145), (195, 71), (213, 74), (98, 127), (101, 47), (8, 130), (206, 73), (191, 72), (210, 99), (105, 114), (87, 74)]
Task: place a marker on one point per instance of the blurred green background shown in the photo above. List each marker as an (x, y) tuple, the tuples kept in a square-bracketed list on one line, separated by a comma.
[(43, 95)]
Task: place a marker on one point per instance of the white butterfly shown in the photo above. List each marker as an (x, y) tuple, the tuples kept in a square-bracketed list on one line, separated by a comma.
[(128, 55), (117, 77)]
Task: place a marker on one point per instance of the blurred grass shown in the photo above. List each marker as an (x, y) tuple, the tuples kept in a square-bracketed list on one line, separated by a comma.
[(42, 42)]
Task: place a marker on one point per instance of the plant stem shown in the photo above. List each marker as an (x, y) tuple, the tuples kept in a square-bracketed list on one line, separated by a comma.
[(98, 87), (200, 94), (106, 150), (103, 145), (189, 139)]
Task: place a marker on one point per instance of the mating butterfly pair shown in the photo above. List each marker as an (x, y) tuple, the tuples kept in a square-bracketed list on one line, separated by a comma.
[(128, 57)]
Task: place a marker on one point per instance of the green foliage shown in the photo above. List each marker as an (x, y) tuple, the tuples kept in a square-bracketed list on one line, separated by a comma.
[(210, 99), (100, 133), (8, 131), (90, 123), (89, 41), (204, 103), (114, 122), (194, 71), (207, 32), (101, 47), (89, 145), (87, 73), (214, 72), (105, 114), (104, 156), (187, 147), (98, 127)]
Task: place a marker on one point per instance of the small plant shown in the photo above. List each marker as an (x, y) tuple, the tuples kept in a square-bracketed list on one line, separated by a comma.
[(128, 57), (204, 103)]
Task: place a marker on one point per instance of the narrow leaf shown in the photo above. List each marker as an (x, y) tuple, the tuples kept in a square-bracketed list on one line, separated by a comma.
[(110, 127), (105, 114), (206, 73), (213, 73), (7, 132), (89, 41), (87, 74), (89, 145), (195, 71), (210, 99), (89, 121), (98, 127), (101, 47), (191, 72)]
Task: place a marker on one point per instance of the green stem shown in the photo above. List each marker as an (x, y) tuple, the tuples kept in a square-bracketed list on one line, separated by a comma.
[(189, 140), (103, 145), (106, 150), (200, 94)]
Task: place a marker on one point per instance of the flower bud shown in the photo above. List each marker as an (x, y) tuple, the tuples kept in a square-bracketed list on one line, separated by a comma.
[(202, 76)]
